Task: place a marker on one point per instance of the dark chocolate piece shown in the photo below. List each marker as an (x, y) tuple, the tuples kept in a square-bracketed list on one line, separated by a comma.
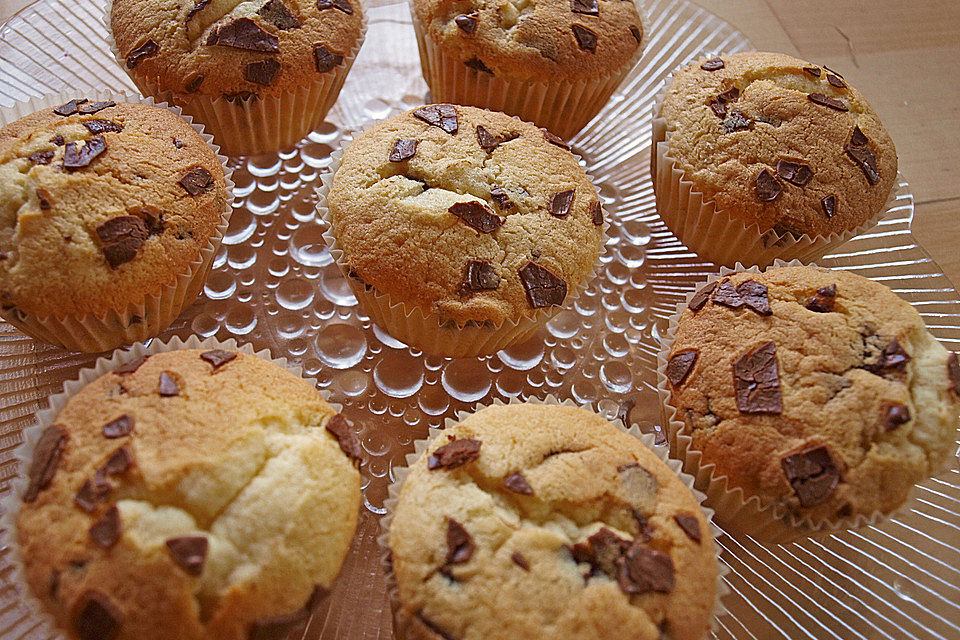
[(121, 239), (860, 152), (57, 140), (755, 296), (822, 301), (102, 126), (262, 72), (277, 14), (794, 172), (118, 462), (487, 141), (587, 7), (467, 22), (93, 492), (561, 202), (120, 427), (218, 357), (477, 216), (168, 386), (554, 139), (346, 437), (479, 276), (443, 116), (596, 213), (892, 358), (460, 545), (70, 108), (130, 366), (478, 64), (520, 561), (188, 552), (454, 454), (516, 482), (701, 296), (893, 414), (544, 288), (145, 50), (836, 81), (106, 531), (829, 204), (96, 618), (713, 64), (812, 473), (586, 39), (680, 365), (46, 459), (196, 180), (635, 32), (642, 570), (75, 157), (325, 59), (403, 150), (767, 187), (501, 198), (756, 380), (243, 33), (690, 525), (339, 5), (814, 71), (41, 157), (827, 101), (198, 6), (953, 372)]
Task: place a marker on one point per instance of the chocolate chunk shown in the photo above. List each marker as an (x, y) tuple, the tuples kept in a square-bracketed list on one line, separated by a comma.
[(814, 71), (454, 454), (893, 414), (520, 561), (829, 204), (602, 550), (836, 81), (121, 239), (86, 108), (858, 138), (478, 216), (43, 199), (826, 101), (701, 296), (198, 6), (767, 187), (78, 157), (279, 627), (118, 462), (122, 426), (130, 366), (460, 545), (501, 198), (218, 357), (860, 152), (713, 64), (70, 108), (515, 482), (168, 386), (754, 295), (586, 39), (193, 84), (188, 552), (736, 121), (443, 116), (403, 150), (561, 202), (96, 618), (325, 59), (812, 473), (346, 437), (642, 570), (479, 276), (262, 72), (953, 372), (145, 50), (196, 180), (57, 140), (719, 108), (596, 213), (478, 64), (487, 141), (640, 486), (822, 301), (102, 126), (680, 365), (340, 5), (756, 381), (892, 358), (726, 295), (106, 531), (243, 33), (46, 459), (635, 32), (152, 218), (553, 139), (794, 172), (467, 22), (277, 14), (588, 7), (93, 492), (544, 288), (730, 95), (41, 157), (690, 525)]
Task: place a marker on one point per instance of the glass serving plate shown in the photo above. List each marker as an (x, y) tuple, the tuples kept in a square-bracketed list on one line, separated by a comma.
[(274, 285)]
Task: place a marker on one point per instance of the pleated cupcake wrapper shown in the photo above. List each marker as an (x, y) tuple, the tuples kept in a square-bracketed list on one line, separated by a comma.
[(766, 520), (141, 319), (718, 236), (265, 124), (563, 107), (423, 328), (401, 626), (23, 455)]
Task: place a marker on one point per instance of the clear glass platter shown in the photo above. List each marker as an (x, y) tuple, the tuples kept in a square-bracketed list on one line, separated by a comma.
[(274, 285)]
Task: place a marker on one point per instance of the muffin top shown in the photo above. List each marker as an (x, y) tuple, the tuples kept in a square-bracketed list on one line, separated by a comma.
[(196, 494), (101, 205), (232, 48), (814, 389), (544, 521), (527, 40), (779, 142), (473, 214)]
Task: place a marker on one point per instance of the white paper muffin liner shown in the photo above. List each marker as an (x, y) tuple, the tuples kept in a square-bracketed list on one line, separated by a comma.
[(718, 236), (765, 520), (141, 319), (563, 107), (426, 329), (264, 124), (23, 455), (400, 475)]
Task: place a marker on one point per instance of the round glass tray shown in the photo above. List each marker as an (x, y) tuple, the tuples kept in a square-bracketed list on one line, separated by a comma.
[(273, 284)]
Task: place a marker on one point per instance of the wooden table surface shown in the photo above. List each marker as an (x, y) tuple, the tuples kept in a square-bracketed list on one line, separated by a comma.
[(903, 56)]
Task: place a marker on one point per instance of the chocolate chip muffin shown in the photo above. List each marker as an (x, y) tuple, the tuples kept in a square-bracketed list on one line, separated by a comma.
[(112, 213), (773, 144), (192, 494), (260, 75), (462, 230), (819, 392), (553, 62), (546, 521)]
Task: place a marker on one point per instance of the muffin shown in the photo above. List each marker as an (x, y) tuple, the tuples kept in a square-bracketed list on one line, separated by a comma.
[(260, 75), (461, 230), (189, 494), (554, 62), (546, 521), (738, 175), (113, 212), (817, 396)]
